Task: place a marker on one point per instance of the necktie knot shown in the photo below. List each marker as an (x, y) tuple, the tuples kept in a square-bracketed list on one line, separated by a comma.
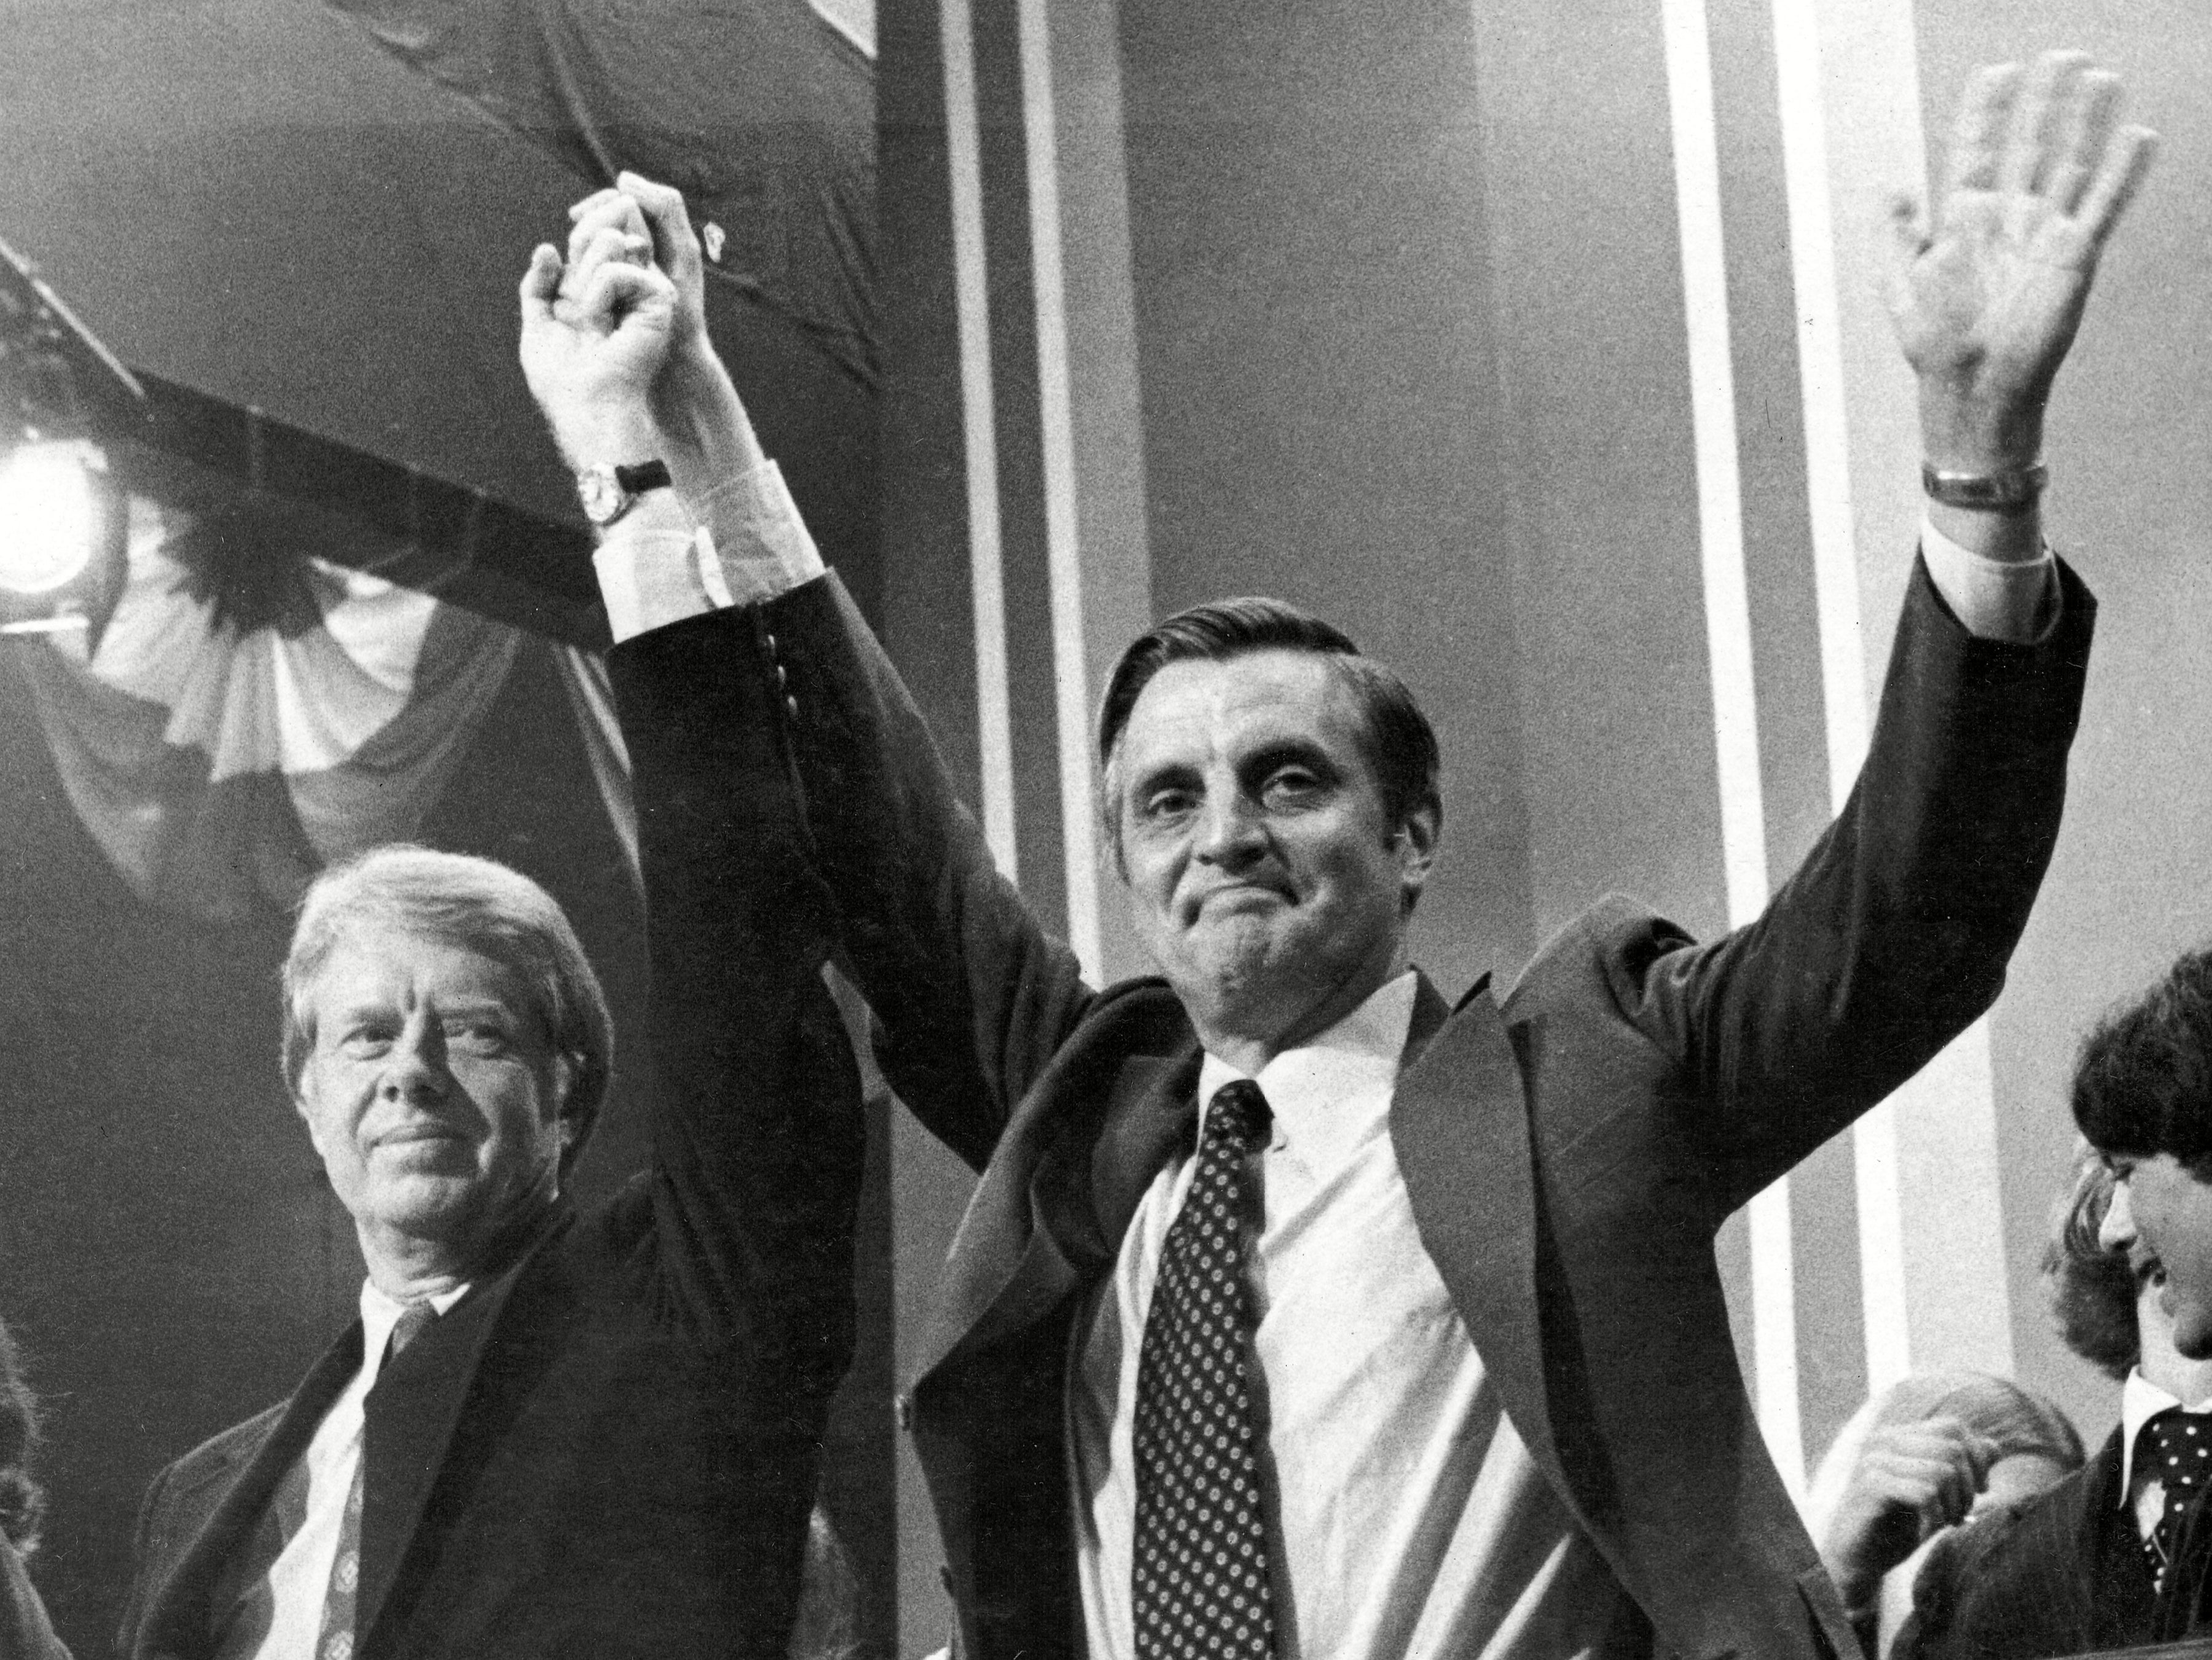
[(1239, 1115), (409, 1326)]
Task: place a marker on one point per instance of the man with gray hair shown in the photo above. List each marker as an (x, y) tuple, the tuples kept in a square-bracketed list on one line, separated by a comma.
[(552, 1431)]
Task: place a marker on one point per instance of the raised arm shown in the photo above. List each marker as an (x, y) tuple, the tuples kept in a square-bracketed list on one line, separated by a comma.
[(972, 998), (1894, 933), (757, 1133)]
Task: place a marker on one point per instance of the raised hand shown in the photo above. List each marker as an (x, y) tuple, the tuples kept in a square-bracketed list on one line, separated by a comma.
[(700, 426), (1911, 1480), (1986, 295), (636, 207), (591, 359)]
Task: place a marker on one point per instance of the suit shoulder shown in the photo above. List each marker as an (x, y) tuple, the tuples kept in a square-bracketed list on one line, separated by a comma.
[(189, 1486), (1130, 1019), (2008, 1547), (1614, 943), (226, 1449), (1146, 1005)]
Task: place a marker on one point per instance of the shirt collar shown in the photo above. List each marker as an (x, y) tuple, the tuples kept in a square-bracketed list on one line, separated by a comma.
[(2141, 1400), (1329, 1092), (379, 1314)]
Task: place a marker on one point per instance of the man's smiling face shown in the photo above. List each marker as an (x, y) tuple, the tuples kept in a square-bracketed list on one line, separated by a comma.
[(1267, 879), (2160, 1212), (429, 1091)]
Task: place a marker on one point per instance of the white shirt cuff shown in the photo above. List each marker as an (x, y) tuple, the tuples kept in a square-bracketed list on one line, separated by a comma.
[(761, 542), (751, 545), (1993, 599)]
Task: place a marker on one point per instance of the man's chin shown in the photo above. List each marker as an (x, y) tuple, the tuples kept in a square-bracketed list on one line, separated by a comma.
[(428, 1202)]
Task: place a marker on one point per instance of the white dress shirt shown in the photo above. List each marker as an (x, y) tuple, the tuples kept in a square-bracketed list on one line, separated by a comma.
[(300, 1579)]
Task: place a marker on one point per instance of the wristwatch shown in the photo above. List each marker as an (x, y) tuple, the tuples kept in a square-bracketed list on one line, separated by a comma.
[(608, 492)]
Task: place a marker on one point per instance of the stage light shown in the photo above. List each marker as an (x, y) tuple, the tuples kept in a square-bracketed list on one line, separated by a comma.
[(54, 509)]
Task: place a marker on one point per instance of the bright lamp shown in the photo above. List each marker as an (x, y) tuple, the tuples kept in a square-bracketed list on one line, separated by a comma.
[(53, 515)]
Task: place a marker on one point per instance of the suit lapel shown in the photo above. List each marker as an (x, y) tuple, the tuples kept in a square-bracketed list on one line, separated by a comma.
[(1154, 1112), (1079, 1199), (181, 1622), (1459, 1123), (409, 1421)]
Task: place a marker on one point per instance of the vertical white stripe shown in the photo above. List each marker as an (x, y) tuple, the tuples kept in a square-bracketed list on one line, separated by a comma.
[(1821, 378), (1072, 692), (987, 569), (1836, 593), (1728, 635), (1802, 92)]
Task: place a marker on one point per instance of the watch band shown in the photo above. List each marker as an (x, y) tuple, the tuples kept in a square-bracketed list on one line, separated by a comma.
[(645, 475), (607, 493), (1985, 492)]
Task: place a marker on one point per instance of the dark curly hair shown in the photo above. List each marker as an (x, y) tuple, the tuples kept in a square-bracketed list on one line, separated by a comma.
[(2143, 1083), (23, 1501), (2091, 1290)]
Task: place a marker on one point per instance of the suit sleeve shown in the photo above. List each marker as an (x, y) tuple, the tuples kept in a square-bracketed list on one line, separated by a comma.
[(1893, 935), (971, 996), (757, 1127)]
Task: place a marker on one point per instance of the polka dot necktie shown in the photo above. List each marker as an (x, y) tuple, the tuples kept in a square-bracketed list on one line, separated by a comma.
[(336, 1641), (1200, 1562), (2176, 1447)]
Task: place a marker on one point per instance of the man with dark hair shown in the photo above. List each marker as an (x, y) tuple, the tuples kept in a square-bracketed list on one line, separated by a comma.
[(2082, 1565), (2142, 1095), (1401, 746), (1298, 1312), (553, 1431)]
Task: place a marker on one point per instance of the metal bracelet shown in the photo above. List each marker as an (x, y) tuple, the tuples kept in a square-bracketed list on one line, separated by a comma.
[(1985, 492)]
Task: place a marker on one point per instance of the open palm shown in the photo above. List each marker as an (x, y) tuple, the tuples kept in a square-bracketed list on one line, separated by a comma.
[(1986, 299)]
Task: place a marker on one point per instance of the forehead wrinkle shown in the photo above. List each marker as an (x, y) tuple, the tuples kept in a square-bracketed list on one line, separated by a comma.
[(1254, 699)]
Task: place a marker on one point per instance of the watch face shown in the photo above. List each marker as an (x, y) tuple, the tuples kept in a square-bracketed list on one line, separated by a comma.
[(602, 496)]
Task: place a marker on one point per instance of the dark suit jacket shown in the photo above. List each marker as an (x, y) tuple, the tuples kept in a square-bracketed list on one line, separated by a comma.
[(1569, 1149), (609, 1449), (2062, 1574)]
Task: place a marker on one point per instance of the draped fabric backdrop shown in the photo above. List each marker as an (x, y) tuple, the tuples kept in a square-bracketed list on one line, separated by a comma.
[(775, 143), (220, 759)]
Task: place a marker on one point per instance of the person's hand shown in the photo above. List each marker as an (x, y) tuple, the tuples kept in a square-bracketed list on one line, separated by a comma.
[(636, 207), (1911, 1480), (700, 426), (591, 359), (1987, 295)]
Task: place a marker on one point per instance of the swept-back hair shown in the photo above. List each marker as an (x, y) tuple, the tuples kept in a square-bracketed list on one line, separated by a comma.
[(23, 1501), (2142, 1082), (2092, 1290), (485, 907), (1401, 743)]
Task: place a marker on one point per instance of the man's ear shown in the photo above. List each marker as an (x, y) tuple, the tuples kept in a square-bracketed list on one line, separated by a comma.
[(1415, 840)]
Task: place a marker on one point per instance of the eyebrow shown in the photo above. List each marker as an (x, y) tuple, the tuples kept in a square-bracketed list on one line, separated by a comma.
[(1162, 772), (1280, 751)]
